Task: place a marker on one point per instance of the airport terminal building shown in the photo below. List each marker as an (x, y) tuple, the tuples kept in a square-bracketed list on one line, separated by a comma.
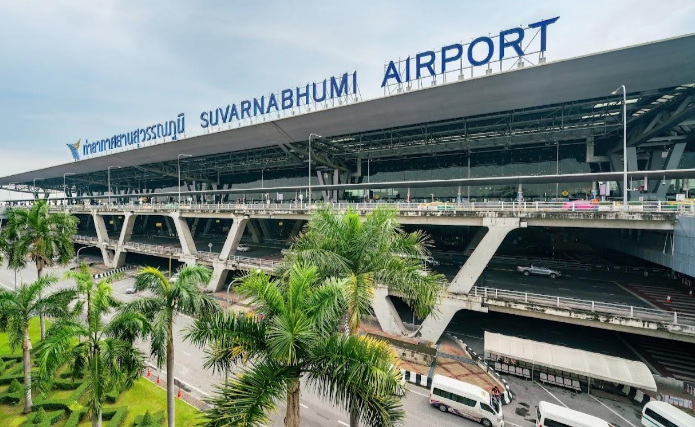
[(498, 147)]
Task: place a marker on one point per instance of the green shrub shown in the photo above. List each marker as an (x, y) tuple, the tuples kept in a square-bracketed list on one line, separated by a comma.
[(41, 418), (7, 379), (112, 396), (51, 404), (15, 387), (75, 418), (66, 385), (149, 420), (116, 416), (11, 398), (79, 391)]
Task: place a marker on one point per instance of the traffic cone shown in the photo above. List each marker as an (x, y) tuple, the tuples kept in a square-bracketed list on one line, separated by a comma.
[(158, 380), (148, 372), (668, 299), (179, 395)]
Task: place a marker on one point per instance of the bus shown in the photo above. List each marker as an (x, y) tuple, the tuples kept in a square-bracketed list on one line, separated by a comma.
[(550, 415), (662, 414), (466, 400)]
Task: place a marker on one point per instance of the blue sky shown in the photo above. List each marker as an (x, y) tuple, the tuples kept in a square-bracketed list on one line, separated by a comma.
[(78, 69)]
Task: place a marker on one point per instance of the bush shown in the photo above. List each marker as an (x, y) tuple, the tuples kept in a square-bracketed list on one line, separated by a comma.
[(75, 418), (79, 391), (7, 379), (115, 416), (149, 420), (66, 385), (15, 387), (41, 418), (11, 398), (112, 396)]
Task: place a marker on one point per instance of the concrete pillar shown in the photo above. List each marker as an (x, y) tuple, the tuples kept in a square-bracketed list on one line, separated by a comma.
[(434, 325), (263, 223), (336, 181), (145, 220), (475, 241), (184, 233), (126, 234), (255, 233), (208, 224), (296, 228), (386, 313), (498, 228), (169, 224), (233, 238), (219, 275), (194, 227), (102, 237)]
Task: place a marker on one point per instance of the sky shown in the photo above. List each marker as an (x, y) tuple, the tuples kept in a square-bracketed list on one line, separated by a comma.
[(74, 70)]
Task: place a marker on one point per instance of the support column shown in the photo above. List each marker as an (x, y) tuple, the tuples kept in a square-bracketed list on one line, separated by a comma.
[(335, 182), (475, 241), (498, 228), (208, 224), (102, 237), (194, 227), (296, 228), (219, 276), (386, 313), (233, 238), (264, 228), (674, 157), (184, 233), (434, 325), (168, 223), (255, 233), (126, 234)]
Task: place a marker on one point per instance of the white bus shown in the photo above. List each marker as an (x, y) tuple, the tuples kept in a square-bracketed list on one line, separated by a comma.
[(550, 415), (466, 400), (662, 414)]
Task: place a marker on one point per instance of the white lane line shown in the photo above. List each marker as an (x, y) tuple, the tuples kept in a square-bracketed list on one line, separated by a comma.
[(605, 406), (303, 406), (421, 394), (509, 423), (343, 423), (552, 395), (187, 354)]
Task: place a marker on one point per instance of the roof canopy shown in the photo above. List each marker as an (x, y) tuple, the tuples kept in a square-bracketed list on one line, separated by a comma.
[(580, 362)]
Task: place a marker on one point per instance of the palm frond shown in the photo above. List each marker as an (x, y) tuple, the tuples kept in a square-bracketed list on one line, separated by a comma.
[(153, 279)]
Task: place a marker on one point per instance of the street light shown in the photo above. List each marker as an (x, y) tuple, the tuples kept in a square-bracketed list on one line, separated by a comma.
[(229, 286), (77, 258), (65, 187), (615, 92), (317, 136), (178, 168), (108, 171), (40, 179)]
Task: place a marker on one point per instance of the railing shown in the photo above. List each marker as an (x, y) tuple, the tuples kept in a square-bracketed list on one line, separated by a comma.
[(84, 239), (253, 262), (598, 307), (495, 206), (577, 266), (159, 249)]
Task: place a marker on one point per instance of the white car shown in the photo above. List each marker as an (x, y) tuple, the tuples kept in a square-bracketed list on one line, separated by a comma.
[(131, 290), (539, 271), (431, 262), (243, 248)]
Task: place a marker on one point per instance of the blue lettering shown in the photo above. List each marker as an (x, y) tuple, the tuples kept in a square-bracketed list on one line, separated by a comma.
[(217, 118), (181, 123), (391, 73), (272, 103), (338, 90), (258, 107), (235, 113), (304, 95), (543, 25), (287, 101), (323, 94), (225, 114), (446, 59), (427, 64), (204, 119), (490, 47), (516, 44), (245, 109)]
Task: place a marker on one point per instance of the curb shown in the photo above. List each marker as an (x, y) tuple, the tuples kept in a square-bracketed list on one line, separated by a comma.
[(112, 272), (421, 380), (507, 396)]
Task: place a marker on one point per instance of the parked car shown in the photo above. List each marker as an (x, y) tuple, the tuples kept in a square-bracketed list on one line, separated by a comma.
[(241, 248), (431, 262), (539, 271), (131, 290)]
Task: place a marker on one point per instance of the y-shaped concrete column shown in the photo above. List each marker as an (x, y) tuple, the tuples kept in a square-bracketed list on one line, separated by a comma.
[(255, 233), (498, 228), (219, 267), (262, 222), (434, 325), (386, 313), (126, 234), (184, 233), (102, 237), (296, 228)]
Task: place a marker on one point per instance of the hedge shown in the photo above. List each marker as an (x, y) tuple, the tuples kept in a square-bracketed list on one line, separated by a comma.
[(7, 379), (157, 418), (115, 416), (75, 418), (50, 418), (112, 396), (66, 385)]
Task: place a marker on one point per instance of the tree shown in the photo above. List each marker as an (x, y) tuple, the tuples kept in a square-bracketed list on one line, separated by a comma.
[(104, 355), (367, 253), (18, 307), (39, 236), (293, 336), (182, 296)]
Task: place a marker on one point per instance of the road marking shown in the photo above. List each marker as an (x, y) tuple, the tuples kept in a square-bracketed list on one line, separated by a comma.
[(343, 423), (552, 395), (605, 406), (508, 423), (303, 406), (416, 392), (187, 354)]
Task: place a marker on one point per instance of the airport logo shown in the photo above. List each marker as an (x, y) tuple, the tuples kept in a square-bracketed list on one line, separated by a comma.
[(75, 149)]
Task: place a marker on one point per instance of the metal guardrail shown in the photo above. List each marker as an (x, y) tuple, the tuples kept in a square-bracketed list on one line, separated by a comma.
[(496, 206), (598, 307), (564, 265)]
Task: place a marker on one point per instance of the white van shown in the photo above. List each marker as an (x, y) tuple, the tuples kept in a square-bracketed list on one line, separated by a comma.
[(466, 400), (550, 415), (662, 414)]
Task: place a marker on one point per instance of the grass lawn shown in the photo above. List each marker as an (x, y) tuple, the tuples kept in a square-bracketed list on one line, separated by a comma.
[(34, 335)]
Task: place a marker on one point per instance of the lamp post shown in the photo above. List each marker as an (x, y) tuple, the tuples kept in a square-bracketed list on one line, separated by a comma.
[(622, 88), (229, 286), (178, 168), (40, 179), (317, 136), (108, 172), (65, 187), (77, 257)]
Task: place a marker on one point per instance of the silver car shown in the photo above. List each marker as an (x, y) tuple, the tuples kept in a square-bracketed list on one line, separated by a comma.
[(538, 271)]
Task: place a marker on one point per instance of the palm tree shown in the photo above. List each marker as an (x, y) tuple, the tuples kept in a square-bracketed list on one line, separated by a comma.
[(293, 336), (18, 307), (104, 356), (366, 253), (171, 298), (38, 236)]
